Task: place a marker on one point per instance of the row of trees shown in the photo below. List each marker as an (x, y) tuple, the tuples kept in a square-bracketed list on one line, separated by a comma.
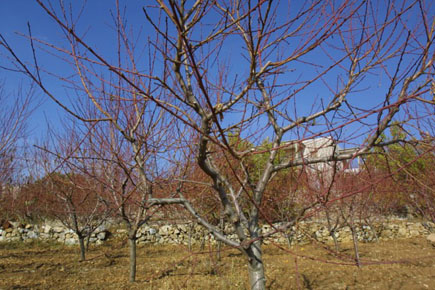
[(407, 182), (81, 204), (185, 126)]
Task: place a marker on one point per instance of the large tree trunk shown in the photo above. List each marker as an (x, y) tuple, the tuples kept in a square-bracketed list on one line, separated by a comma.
[(82, 248), (257, 280), (132, 248)]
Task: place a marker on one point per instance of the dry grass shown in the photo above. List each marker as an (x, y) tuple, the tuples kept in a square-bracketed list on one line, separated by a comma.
[(51, 266)]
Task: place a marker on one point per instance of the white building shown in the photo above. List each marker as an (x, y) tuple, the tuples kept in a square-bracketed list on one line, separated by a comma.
[(322, 147)]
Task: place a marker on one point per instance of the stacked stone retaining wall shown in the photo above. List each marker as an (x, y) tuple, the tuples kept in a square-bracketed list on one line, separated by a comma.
[(191, 233)]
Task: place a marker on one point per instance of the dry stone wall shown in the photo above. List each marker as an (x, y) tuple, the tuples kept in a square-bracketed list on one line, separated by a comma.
[(47, 231), (304, 233)]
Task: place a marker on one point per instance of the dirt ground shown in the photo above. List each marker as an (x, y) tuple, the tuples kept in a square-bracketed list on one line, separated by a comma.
[(399, 264)]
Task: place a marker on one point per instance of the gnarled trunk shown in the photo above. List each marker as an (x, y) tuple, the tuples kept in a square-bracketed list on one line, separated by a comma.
[(257, 280)]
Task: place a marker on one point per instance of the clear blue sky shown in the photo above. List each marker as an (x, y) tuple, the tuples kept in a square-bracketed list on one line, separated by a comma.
[(14, 16), (96, 20)]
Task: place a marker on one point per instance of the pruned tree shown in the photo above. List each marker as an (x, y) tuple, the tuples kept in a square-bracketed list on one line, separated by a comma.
[(130, 139), (289, 71), (131, 170), (267, 92), (66, 187)]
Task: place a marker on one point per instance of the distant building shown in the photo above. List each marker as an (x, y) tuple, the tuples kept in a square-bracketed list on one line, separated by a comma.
[(323, 147)]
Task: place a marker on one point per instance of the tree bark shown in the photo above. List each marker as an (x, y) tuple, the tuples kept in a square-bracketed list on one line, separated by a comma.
[(219, 242), (355, 246), (331, 229), (132, 248), (190, 236), (82, 248), (257, 280)]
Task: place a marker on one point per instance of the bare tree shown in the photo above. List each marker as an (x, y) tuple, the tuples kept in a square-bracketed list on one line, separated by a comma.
[(67, 189), (130, 139), (131, 171), (288, 71), (15, 110), (14, 113), (353, 39)]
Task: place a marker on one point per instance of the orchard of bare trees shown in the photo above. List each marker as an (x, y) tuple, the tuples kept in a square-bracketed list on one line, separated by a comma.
[(250, 112)]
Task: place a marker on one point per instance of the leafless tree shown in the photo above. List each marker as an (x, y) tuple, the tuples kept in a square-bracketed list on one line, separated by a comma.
[(66, 187), (131, 172), (15, 110), (129, 139), (288, 71)]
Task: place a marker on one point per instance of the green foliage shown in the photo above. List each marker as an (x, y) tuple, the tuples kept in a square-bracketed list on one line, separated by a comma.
[(256, 162), (402, 155)]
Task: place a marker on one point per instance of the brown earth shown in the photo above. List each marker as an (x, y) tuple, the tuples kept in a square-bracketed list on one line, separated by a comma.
[(408, 264)]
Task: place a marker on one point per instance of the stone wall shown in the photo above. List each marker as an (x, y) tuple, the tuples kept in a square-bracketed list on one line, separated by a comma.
[(48, 231), (305, 232)]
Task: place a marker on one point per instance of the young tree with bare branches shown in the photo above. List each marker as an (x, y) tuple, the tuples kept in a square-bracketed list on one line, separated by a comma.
[(130, 171), (66, 186)]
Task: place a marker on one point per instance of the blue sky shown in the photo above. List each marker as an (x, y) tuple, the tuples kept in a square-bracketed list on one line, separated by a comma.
[(97, 26), (14, 16)]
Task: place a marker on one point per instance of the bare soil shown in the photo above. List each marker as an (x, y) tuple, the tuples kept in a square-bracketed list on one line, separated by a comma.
[(398, 264)]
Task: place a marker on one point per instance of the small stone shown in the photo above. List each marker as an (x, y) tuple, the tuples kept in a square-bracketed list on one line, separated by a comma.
[(431, 238), (70, 241), (32, 235), (47, 229), (102, 235), (414, 233), (58, 229), (164, 230), (402, 232)]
